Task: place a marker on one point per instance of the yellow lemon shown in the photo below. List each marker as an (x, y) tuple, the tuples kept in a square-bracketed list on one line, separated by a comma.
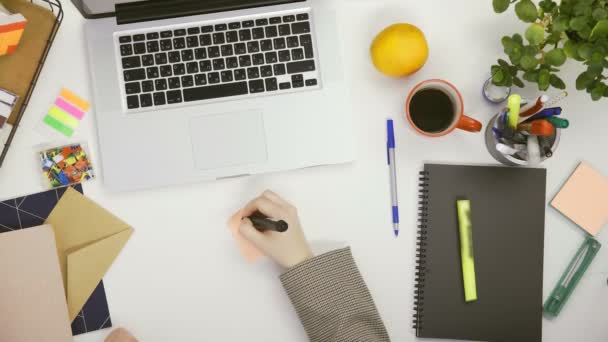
[(400, 50)]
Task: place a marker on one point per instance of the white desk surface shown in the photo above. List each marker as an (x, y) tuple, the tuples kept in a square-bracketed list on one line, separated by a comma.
[(180, 278)]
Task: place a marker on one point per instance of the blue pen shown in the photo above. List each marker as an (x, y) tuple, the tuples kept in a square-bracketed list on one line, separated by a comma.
[(390, 152), (545, 114)]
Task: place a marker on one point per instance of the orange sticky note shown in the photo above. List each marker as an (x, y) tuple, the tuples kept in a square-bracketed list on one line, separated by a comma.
[(248, 250), (584, 199), (75, 100)]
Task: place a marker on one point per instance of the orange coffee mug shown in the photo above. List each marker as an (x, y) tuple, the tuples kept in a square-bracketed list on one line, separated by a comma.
[(435, 108)]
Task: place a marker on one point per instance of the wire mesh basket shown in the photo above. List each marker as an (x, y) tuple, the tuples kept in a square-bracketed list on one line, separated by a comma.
[(55, 7)]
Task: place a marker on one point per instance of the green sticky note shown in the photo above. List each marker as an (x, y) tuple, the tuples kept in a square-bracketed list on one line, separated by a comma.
[(465, 229), (54, 123)]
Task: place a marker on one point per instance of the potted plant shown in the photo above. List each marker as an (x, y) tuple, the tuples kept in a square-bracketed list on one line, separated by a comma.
[(575, 29)]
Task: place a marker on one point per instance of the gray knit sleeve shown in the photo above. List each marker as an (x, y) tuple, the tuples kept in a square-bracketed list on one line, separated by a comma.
[(332, 300)]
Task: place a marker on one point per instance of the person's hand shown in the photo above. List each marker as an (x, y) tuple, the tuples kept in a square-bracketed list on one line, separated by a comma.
[(120, 335), (287, 249)]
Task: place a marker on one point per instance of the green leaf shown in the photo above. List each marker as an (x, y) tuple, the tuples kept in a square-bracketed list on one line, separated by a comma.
[(578, 23), (600, 30), (526, 11), (498, 77), (556, 57), (531, 76), (599, 14), (535, 34), (503, 63), (557, 82), (561, 23), (528, 62), (595, 70), (553, 39), (500, 5), (515, 56), (517, 38), (597, 57), (571, 49), (518, 82), (585, 51), (530, 50), (583, 81), (547, 5), (543, 83), (598, 92)]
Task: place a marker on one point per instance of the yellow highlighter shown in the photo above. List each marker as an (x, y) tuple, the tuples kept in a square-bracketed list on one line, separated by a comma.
[(466, 250), (514, 105)]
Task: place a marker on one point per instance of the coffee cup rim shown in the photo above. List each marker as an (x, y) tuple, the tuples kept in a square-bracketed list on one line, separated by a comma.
[(415, 90)]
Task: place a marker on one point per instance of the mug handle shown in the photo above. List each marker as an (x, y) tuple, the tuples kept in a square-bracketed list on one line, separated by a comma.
[(468, 124)]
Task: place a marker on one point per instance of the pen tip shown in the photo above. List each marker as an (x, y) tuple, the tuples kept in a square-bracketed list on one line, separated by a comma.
[(396, 233)]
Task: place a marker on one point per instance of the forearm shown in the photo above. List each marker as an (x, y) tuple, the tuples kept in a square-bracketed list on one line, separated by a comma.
[(332, 300)]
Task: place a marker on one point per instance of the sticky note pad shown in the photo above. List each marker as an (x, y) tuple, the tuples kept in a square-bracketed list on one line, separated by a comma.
[(584, 199), (66, 113), (248, 250)]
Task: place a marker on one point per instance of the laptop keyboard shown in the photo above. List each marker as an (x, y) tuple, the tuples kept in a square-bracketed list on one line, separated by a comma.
[(266, 55)]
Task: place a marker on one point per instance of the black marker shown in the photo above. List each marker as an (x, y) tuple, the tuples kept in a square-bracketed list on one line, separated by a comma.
[(262, 223)]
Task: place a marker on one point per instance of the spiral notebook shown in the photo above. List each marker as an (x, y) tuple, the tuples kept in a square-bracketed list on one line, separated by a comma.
[(508, 218)]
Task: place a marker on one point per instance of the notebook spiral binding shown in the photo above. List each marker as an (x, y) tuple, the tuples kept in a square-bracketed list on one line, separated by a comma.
[(421, 251)]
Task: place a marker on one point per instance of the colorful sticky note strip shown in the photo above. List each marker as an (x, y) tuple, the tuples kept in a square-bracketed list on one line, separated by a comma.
[(67, 112)]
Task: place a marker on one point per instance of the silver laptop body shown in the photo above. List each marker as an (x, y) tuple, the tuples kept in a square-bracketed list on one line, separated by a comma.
[(226, 93)]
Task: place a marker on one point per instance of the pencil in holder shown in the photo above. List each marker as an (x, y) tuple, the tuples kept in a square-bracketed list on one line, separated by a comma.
[(513, 150)]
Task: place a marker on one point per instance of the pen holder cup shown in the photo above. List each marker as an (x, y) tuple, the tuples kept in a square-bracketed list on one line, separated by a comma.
[(513, 160)]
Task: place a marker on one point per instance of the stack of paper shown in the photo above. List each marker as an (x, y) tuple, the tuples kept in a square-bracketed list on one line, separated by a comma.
[(7, 103), (32, 301)]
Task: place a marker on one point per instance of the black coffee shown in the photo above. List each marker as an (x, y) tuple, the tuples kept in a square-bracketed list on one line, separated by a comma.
[(432, 110)]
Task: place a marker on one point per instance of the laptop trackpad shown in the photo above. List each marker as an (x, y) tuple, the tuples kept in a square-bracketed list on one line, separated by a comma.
[(230, 139)]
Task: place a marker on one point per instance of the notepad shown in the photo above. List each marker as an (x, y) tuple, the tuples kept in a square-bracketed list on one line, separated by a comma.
[(508, 234), (584, 199)]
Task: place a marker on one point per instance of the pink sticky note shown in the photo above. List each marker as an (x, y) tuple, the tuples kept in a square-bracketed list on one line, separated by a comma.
[(248, 250), (68, 108), (584, 199)]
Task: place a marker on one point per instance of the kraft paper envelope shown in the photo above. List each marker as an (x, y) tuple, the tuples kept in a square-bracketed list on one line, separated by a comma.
[(32, 301), (89, 238)]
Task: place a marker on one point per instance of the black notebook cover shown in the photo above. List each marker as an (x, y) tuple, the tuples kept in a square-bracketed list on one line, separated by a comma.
[(508, 223)]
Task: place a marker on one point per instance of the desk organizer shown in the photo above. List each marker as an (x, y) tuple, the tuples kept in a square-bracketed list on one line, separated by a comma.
[(57, 11)]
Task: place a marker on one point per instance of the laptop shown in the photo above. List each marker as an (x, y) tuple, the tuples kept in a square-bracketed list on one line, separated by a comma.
[(190, 91)]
